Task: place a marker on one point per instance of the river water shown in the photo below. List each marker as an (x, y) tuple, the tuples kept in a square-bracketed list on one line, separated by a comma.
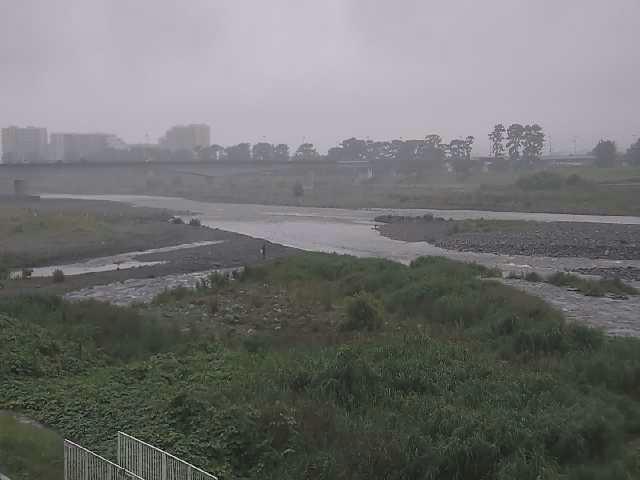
[(121, 261), (352, 231)]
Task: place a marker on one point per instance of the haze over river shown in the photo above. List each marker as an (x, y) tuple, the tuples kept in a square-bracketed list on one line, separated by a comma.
[(353, 232)]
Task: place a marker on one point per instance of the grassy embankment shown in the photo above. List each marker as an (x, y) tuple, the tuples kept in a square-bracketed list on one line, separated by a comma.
[(424, 371), (562, 190), (586, 190), (611, 191)]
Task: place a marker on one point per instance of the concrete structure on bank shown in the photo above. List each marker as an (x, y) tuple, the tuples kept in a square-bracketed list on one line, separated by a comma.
[(24, 145), (186, 137)]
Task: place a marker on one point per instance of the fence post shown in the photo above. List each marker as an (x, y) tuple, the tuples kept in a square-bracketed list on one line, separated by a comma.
[(139, 458), (66, 461), (119, 452), (85, 461), (164, 467)]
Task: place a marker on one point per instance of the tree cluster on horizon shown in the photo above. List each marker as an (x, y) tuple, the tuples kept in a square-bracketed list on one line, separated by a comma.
[(524, 143), (606, 153), (412, 155), (633, 153)]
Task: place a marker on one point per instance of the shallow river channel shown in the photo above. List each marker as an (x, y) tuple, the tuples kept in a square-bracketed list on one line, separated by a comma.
[(352, 231)]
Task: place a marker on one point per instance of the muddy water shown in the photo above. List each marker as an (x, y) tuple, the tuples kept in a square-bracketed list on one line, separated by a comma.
[(353, 232)]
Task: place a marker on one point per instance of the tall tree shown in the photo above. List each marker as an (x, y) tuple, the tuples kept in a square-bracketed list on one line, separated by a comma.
[(532, 144), (354, 149), (606, 153), (633, 153), (335, 154), (460, 155), (468, 147), (239, 153), (433, 151), (514, 141), (497, 138), (211, 153), (433, 140), (262, 152), (384, 151), (306, 151), (281, 152)]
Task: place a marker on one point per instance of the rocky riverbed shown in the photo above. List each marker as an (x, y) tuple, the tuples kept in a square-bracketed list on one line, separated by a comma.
[(549, 239), (614, 317), (627, 274)]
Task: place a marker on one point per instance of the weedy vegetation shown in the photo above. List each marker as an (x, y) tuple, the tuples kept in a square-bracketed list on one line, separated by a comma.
[(433, 371)]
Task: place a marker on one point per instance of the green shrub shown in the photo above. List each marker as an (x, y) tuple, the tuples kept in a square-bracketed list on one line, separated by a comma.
[(533, 277), (541, 181), (575, 180), (213, 305), (256, 343), (55, 335), (616, 285), (363, 312), (173, 295), (218, 280), (589, 287), (195, 222), (562, 279)]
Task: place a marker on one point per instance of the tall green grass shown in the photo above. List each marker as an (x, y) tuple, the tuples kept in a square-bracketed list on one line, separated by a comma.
[(45, 336)]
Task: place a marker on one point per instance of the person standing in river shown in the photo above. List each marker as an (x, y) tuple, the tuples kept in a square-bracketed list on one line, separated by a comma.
[(263, 251)]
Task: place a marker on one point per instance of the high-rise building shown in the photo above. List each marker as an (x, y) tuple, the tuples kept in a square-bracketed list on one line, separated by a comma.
[(24, 145), (186, 137), (78, 147)]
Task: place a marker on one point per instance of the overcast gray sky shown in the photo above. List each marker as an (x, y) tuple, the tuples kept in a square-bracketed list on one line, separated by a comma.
[(323, 69)]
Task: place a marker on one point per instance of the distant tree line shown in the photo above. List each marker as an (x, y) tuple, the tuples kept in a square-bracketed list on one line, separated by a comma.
[(261, 152), (410, 155), (429, 153), (517, 146)]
